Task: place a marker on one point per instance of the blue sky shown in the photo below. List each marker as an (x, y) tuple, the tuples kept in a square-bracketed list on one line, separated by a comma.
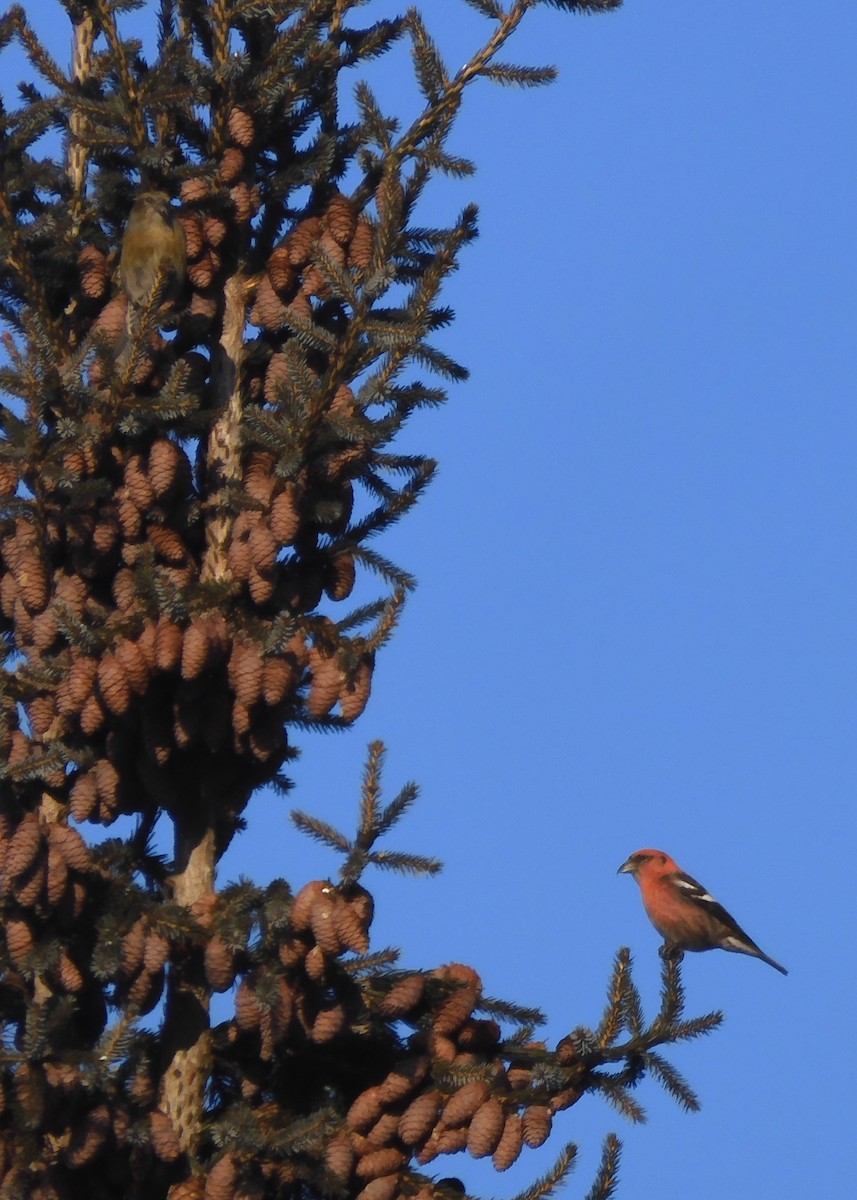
[(636, 616)]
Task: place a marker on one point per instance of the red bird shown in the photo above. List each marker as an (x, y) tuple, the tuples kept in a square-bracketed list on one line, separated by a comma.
[(683, 912)]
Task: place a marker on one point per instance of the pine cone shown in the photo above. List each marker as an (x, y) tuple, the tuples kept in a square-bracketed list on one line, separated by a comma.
[(263, 549), (259, 478), (340, 577), (110, 323), (486, 1129), (113, 687), (19, 940), (231, 165), (193, 235), (94, 272), (281, 272), (418, 1119), (464, 1103), (196, 649), (403, 997), (42, 711), (202, 273), (323, 924), (564, 1099), (510, 1144), (248, 1014), (24, 846), (84, 797), (219, 964), (260, 586), (279, 680), (300, 917), (137, 482), (356, 688), (28, 888), (8, 479), (350, 927), (362, 248), (341, 219), (72, 847), (455, 1010), (365, 1110), (536, 1125), (69, 975), (384, 1187), (168, 645), (378, 1163), (329, 1022), (268, 311), (168, 467), (220, 1183), (300, 240), (240, 126), (339, 1156), (133, 663), (404, 1077), (156, 951), (326, 682), (164, 1138), (56, 877), (285, 521), (383, 1132), (246, 672)]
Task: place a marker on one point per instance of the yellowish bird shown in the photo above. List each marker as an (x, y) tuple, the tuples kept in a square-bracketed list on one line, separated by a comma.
[(153, 250)]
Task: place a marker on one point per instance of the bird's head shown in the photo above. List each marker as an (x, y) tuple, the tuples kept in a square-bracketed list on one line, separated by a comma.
[(640, 858), (151, 202)]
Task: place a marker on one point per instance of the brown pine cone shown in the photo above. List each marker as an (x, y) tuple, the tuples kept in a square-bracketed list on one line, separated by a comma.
[(536, 1125), (72, 847), (510, 1144), (94, 272), (339, 1156), (362, 247), (378, 1163), (219, 964), (168, 467), (220, 1183), (285, 521), (341, 219), (329, 1022), (24, 846), (464, 1103), (326, 682), (168, 645), (365, 1110), (385, 1187), (19, 940), (323, 924), (419, 1118), (404, 1077), (164, 1138), (240, 126), (486, 1129), (403, 997)]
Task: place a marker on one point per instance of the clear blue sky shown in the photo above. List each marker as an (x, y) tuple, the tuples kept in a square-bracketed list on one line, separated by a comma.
[(636, 616)]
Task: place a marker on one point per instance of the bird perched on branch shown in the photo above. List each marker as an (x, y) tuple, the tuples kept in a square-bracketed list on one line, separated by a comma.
[(683, 912), (153, 251)]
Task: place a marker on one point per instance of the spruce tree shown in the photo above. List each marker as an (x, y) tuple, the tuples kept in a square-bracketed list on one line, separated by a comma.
[(193, 475)]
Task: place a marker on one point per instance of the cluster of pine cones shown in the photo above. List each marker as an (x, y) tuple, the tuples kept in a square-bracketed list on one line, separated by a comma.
[(451, 1086)]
